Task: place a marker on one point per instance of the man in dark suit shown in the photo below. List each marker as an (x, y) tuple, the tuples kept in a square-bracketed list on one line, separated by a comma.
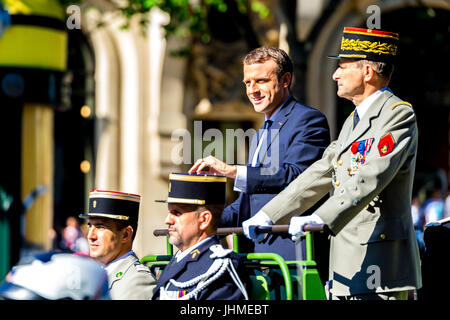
[(201, 269), (293, 137), (435, 261)]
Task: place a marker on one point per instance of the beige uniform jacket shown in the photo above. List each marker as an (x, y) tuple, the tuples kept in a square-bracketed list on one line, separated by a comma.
[(130, 280), (369, 173)]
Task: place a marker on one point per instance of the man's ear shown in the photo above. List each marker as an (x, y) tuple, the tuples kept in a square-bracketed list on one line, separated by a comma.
[(368, 72), (127, 233), (286, 79), (205, 218)]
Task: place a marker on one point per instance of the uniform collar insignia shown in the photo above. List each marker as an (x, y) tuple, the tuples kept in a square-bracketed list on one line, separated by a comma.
[(194, 253)]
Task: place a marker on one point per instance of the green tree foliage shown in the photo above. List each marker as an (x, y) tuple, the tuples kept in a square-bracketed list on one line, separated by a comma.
[(188, 18)]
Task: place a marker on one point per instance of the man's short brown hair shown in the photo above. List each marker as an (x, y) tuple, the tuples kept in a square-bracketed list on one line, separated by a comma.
[(262, 54), (121, 224), (215, 209)]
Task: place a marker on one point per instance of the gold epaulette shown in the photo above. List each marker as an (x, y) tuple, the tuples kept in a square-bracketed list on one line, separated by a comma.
[(401, 102)]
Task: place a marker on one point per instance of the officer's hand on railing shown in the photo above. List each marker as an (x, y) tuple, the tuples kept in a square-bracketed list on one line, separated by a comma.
[(258, 220), (297, 223)]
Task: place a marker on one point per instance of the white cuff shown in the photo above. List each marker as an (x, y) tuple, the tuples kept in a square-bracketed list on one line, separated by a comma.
[(262, 216), (240, 183)]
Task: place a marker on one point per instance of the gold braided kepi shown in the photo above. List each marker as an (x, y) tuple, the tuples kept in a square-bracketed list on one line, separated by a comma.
[(369, 44)]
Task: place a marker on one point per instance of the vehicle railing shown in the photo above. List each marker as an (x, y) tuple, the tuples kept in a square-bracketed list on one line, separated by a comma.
[(235, 231)]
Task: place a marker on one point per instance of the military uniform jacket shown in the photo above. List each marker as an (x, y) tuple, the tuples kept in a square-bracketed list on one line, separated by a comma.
[(196, 263), (130, 280), (369, 173)]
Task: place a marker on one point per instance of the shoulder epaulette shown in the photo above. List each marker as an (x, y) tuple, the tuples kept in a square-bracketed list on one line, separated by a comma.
[(399, 103), (141, 267)]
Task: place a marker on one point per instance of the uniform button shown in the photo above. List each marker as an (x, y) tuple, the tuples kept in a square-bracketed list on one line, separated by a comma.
[(382, 236), (342, 191), (335, 167), (337, 183), (355, 202), (361, 180), (340, 162)]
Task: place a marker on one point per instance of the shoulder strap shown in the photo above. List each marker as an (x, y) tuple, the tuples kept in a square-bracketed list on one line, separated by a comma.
[(399, 103)]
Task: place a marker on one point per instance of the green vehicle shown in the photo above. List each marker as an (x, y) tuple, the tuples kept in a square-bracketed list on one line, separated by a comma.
[(273, 278)]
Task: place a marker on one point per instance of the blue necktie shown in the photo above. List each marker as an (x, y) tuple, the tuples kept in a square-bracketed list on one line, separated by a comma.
[(355, 118), (263, 141)]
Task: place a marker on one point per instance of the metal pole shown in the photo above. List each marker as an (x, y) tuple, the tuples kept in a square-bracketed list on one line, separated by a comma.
[(300, 266), (274, 229), (239, 230)]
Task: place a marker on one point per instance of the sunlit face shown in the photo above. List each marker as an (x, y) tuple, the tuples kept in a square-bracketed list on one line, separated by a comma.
[(349, 77), (104, 240), (264, 90), (183, 225)]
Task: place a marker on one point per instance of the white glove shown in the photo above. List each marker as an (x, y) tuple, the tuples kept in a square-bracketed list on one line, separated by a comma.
[(260, 219), (297, 223)]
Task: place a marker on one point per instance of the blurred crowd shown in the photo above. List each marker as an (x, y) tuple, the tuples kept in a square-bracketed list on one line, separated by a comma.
[(435, 207), (72, 237)]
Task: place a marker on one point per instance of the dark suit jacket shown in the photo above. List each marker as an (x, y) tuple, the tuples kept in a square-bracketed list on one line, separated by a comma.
[(197, 263), (298, 136), (435, 263)]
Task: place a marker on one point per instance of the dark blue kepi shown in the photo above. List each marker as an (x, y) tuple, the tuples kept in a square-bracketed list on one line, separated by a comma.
[(196, 189)]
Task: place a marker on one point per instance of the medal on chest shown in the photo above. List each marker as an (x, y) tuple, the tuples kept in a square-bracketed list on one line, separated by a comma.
[(359, 150)]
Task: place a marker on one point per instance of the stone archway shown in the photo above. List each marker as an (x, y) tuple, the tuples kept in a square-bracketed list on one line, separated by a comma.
[(131, 93)]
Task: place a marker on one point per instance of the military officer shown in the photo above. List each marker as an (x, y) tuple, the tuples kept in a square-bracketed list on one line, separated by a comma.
[(113, 221), (369, 173), (201, 269)]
